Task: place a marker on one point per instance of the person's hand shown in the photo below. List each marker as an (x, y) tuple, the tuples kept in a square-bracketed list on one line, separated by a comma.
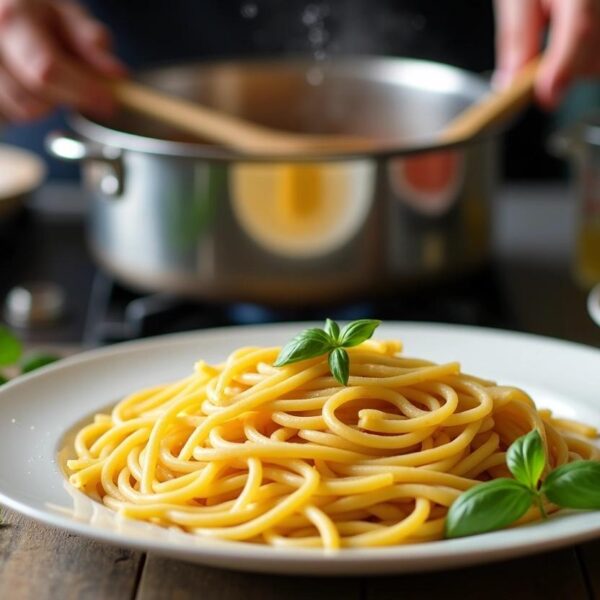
[(573, 49), (51, 53)]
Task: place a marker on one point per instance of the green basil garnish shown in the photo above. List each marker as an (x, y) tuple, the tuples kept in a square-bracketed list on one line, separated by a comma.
[(488, 506), (500, 502), (357, 332), (37, 361), (314, 342), (339, 365), (526, 459), (11, 348), (574, 485), (332, 329), (310, 343), (11, 352)]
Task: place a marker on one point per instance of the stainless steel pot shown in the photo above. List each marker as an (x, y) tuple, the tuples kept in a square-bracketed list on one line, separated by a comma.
[(168, 213)]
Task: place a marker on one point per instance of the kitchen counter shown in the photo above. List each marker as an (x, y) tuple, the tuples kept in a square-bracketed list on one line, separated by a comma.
[(532, 244)]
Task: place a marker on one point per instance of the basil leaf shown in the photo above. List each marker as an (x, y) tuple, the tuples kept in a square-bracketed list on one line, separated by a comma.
[(488, 506), (574, 485), (357, 332), (308, 344), (3, 380), (339, 365), (333, 330), (37, 361), (526, 459), (10, 347)]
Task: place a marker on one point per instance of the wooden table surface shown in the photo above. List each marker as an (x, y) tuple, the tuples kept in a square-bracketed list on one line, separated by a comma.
[(41, 563)]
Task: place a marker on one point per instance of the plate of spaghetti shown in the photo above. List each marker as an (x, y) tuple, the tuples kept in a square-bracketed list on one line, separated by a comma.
[(311, 449)]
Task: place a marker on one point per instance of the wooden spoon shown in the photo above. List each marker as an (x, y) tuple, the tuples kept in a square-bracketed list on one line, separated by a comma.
[(252, 139), (228, 130), (494, 109)]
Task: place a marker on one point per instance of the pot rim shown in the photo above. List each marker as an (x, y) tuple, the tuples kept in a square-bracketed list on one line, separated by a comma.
[(440, 75)]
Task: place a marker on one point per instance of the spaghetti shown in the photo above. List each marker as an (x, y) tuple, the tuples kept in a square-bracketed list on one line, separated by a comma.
[(290, 457)]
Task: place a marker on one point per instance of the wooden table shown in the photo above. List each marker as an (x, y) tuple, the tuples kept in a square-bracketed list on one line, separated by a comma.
[(41, 563)]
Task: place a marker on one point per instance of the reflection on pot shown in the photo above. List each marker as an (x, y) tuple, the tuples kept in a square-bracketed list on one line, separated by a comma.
[(302, 210), (427, 182)]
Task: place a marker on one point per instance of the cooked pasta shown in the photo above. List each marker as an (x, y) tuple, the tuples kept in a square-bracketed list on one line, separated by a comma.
[(290, 457)]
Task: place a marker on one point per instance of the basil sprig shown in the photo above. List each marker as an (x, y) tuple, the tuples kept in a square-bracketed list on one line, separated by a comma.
[(11, 355), (330, 340), (11, 348), (498, 503)]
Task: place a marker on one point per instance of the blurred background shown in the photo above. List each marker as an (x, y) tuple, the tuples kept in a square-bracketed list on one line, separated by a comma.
[(459, 33), (514, 243)]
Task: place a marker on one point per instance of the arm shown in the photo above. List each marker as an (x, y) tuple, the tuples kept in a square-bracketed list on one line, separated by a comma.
[(573, 50), (51, 53)]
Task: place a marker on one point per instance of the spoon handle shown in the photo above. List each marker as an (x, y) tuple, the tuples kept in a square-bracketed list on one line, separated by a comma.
[(494, 108)]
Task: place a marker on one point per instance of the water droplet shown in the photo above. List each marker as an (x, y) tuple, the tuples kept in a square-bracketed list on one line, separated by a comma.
[(314, 13), (32, 427), (317, 36), (13, 420), (249, 10), (315, 76), (310, 16)]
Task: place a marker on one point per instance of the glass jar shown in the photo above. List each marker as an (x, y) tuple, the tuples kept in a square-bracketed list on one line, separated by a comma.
[(581, 143)]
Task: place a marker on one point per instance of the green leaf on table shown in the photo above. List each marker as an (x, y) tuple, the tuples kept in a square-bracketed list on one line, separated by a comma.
[(357, 332), (310, 343), (11, 348), (339, 365), (574, 485), (526, 459), (488, 506), (37, 361)]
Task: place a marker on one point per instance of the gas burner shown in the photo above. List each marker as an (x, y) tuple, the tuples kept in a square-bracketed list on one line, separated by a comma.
[(116, 314)]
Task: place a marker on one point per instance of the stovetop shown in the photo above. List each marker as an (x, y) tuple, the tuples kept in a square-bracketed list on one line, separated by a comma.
[(116, 314), (528, 286)]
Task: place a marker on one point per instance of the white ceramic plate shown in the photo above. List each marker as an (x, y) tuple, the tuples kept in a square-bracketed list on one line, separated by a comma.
[(37, 411)]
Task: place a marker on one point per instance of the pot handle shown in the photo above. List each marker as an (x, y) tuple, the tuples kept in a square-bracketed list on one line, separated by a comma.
[(108, 168), (69, 147)]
